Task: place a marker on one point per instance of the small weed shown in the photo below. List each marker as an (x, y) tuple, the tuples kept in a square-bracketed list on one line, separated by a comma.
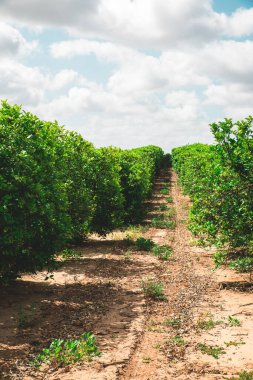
[(169, 199), (143, 244), (214, 351), (68, 253), (170, 212), (173, 322), (163, 252), (178, 340), (134, 232), (164, 191), (163, 207), (207, 324), (62, 353), (154, 327), (245, 375), (233, 321), (154, 290), (26, 318), (127, 255), (163, 224), (157, 346), (146, 360), (233, 343)]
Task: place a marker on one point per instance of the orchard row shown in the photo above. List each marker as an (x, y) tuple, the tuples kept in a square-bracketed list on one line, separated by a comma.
[(56, 187), (219, 180)]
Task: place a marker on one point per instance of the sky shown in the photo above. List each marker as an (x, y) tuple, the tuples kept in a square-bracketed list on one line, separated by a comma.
[(129, 73)]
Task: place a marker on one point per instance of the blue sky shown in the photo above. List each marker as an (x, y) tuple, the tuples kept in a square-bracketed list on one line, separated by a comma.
[(129, 73), (230, 6)]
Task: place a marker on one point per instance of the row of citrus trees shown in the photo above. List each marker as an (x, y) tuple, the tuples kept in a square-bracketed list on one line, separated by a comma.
[(219, 179), (55, 188)]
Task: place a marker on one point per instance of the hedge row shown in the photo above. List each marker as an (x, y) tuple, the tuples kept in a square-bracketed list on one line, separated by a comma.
[(55, 188), (219, 179)]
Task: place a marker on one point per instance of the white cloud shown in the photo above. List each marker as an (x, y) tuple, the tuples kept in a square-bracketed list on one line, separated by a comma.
[(103, 50), (137, 23), (240, 23), (19, 83), (62, 79), (226, 61), (12, 43), (167, 98)]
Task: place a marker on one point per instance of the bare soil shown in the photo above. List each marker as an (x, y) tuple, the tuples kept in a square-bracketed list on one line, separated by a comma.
[(142, 339)]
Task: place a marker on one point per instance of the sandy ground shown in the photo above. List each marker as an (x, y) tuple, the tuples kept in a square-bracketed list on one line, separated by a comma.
[(101, 291)]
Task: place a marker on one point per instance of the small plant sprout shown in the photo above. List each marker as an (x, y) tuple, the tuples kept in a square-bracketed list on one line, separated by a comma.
[(154, 290), (233, 343), (163, 207), (178, 340), (164, 191), (245, 375), (157, 346), (61, 352), (163, 252), (134, 232), (146, 360), (143, 244), (214, 351), (207, 323), (173, 322), (233, 322), (169, 199), (159, 222)]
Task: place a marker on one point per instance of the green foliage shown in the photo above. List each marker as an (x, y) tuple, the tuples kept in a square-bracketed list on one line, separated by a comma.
[(163, 207), (108, 193), (34, 218), (178, 340), (234, 322), (245, 375), (78, 172), (160, 222), (164, 191), (219, 180), (208, 324), (144, 244), (242, 264), (219, 258), (214, 351), (173, 322), (154, 290), (61, 352), (55, 188), (138, 168), (163, 252), (169, 199), (69, 253)]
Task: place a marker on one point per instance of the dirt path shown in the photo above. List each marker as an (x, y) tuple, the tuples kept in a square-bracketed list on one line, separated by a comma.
[(197, 313), (101, 291)]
